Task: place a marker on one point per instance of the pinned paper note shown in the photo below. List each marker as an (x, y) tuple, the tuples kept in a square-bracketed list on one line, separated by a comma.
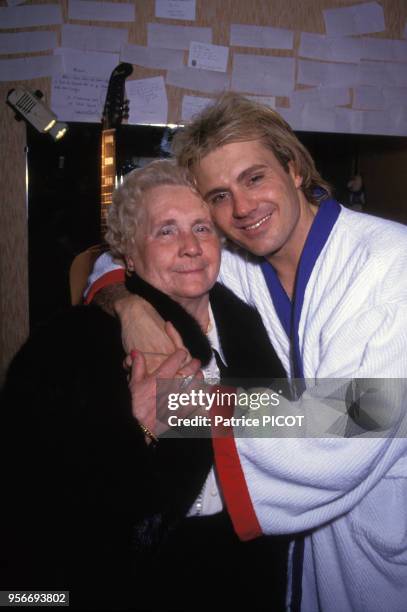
[(176, 37), (263, 74), (319, 46), (207, 81), (89, 10), (261, 37), (384, 49), (318, 119), (349, 121), (88, 63), (28, 16), (27, 42), (292, 116), (93, 38), (357, 19), (314, 118), (377, 122), (366, 97), (75, 98), (382, 74), (265, 100), (326, 97), (176, 9), (399, 116), (26, 68), (148, 101), (192, 105), (208, 57), (329, 74), (395, 96), (161, 59)]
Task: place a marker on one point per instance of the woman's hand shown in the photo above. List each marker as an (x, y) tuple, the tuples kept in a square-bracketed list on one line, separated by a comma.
[(148, 408)]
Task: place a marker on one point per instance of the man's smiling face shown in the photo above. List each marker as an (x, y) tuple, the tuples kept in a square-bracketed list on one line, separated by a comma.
[(253, 200)]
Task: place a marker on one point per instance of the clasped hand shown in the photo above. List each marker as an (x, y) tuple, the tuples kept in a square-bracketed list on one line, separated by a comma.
[(149, 399)]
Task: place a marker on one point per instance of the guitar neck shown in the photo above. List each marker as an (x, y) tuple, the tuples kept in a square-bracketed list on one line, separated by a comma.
[(108, 176)]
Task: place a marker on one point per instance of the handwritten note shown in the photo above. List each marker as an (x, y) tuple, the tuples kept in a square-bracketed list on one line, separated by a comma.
[(208, 57), (76, 98), (148, 101), (88, 63), (175, 9)]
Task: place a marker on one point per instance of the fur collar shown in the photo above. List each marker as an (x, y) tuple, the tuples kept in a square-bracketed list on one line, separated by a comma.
[(192, 335)]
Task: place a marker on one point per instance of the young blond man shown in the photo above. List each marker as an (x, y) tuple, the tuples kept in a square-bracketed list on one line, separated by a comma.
[(331, 287)]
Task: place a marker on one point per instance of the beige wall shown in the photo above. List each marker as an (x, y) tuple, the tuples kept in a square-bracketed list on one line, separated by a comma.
[(299, 15)]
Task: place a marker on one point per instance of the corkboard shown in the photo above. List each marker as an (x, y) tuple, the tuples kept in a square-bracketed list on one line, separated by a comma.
[(217, 14)]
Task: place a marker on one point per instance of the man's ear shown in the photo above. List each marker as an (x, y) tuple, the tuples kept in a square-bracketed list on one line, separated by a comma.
[(297, 178)]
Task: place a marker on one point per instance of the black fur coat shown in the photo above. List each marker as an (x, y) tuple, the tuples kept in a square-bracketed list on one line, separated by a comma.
[(90, 508)]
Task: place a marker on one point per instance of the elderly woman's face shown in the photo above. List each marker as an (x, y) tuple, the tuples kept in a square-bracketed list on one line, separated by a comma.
[(177, 249)]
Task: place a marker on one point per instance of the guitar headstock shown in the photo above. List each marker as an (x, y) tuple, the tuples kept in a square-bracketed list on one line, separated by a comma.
[(116, 107)]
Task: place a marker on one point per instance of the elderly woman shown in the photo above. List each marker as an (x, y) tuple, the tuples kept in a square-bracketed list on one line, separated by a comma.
[(92, 507)]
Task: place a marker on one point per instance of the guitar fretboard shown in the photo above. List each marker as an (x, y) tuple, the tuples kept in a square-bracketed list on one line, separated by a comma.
[(108, 172)]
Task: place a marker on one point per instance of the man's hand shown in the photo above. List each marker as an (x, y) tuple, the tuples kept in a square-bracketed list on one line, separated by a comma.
[(143, 387), (107, 297), (143, 329), (142, 326)]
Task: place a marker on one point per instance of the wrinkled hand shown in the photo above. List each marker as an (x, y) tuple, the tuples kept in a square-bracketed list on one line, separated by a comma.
[(142, 326), (143, 329), (147, 407)]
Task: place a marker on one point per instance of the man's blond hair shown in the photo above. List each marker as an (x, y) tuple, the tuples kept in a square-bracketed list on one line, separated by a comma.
[(234, 118)]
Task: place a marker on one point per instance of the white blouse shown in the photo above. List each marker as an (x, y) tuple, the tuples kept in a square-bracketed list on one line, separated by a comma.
[(209, 501)]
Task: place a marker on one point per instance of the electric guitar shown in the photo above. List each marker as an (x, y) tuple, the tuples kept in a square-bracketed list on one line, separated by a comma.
[(115, 109)]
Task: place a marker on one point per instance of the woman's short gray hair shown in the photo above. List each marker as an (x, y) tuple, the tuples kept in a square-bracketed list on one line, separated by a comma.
[(129, 198)]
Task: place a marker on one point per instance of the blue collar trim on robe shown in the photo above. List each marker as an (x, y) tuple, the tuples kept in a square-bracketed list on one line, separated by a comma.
[(289, 315), (289, 312)]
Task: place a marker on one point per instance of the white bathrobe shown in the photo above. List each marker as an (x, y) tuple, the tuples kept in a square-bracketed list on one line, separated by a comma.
[(349, 494)]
